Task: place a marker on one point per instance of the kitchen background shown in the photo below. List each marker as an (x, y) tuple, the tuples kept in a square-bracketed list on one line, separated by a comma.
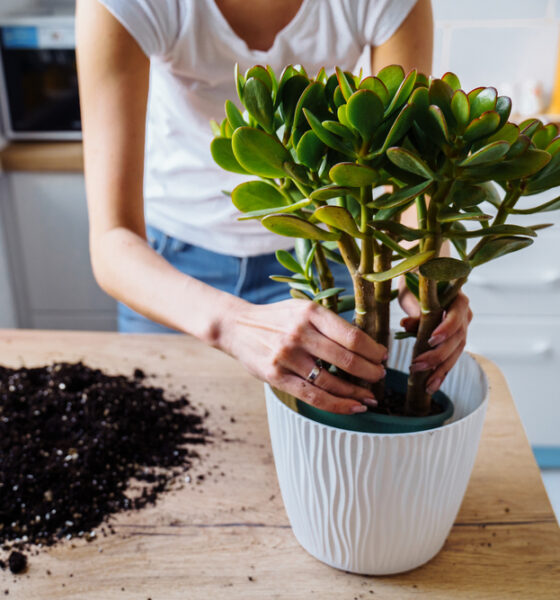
[(45, 275)]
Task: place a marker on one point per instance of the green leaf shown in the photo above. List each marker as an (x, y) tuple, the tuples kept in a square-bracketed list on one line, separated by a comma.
[(257, 100), (400, 127), (289, 94), (353, 175), (256, 214), (494, 230), (452, 81), (408, 161), (392, 77), (444, 269), (375, 85), (544, 136), (326, 136), (339, 218), (530, 126), (239, 81), (292, 226), (310, 150), (299, 295), (312, 99), (289, 262), (398, 229), (259, 153), (403, 267), (441, 94), (403, 335), (223, 155), (518, 168), (466, 195), (508, 133), (403, 92), (341, 130), (333, 256), (402, 196), (257, 195), (364, 112), (438, 118), (294, 282), (488, 154), (499, 247), (334, 291), (302, 249), (545, 207), (503, 108), (547, 178), (234, 117), (309, 260), (519, 146), (341, 113), (332, 191), (459, 243), (460, 109), (449, 216), (346, 303), (482, 126), (260, 73), (225, 129), (484, 101), (345, 87)]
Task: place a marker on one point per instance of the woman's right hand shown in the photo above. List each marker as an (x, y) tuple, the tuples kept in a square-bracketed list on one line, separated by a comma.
[(281, 342)]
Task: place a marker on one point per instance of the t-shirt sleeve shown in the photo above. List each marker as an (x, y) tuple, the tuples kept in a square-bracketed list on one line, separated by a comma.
[(154, 24), (378, 20)]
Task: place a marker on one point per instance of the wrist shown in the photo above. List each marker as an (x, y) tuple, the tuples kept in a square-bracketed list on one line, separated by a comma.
[(220, 331)]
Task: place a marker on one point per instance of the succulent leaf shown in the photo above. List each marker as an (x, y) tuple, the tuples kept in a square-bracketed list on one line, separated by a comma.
[(259, 153), (222, 153), (293, 226), (499, 247), (339, 218), (444, 269), (400, 268), (407, 160), (352, 175)]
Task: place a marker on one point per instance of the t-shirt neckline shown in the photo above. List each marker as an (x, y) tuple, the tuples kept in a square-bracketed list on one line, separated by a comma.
[(242, 43)]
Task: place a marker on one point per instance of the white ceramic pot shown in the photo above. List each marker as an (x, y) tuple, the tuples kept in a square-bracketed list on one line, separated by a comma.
[(378, 504)]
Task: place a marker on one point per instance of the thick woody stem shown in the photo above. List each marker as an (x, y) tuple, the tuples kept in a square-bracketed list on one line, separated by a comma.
[(418, 401)]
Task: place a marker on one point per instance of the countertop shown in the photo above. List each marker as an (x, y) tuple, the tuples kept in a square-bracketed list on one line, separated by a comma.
[(43, 157), (229, 537)]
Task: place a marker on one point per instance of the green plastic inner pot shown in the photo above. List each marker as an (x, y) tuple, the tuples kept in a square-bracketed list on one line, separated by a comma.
[(370, 422)]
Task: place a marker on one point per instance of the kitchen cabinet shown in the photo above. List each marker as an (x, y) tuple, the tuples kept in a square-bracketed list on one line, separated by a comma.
[(516, 304), (46, 222)]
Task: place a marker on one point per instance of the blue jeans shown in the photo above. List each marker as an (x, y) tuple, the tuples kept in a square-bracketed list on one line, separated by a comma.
[(246, 278)]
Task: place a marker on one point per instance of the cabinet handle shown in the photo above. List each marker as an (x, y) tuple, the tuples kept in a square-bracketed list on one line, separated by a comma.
[(546, 279), (532, 353)]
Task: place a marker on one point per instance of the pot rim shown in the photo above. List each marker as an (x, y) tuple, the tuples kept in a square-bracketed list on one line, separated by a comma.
[(481, 407)]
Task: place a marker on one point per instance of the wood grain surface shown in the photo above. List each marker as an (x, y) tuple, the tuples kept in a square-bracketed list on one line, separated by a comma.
[(43, 157), (228, 536)]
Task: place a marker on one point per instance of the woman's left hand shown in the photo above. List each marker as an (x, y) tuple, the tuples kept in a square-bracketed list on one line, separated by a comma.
[(448, 339)]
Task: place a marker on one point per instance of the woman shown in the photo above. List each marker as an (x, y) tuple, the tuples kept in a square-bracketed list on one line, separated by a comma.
[(202, 272)]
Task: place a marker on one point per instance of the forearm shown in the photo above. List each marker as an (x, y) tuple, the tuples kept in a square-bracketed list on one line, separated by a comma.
[(130, 271)]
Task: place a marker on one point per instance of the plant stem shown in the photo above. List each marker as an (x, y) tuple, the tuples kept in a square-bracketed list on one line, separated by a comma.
[(325, 277), (364, 290), (417, 400)]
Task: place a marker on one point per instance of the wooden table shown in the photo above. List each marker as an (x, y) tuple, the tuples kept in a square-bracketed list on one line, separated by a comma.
[(229, 536)]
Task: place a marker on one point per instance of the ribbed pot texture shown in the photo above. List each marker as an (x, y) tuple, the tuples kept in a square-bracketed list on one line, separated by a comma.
[(378, 504)]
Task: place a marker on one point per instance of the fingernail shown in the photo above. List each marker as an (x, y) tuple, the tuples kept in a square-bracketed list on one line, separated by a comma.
[(358, 408), (436, 339), (370, 401), (421, 366), (385, 356), (434, 386)]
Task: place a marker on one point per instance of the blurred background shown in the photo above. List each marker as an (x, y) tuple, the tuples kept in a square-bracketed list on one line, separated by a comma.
[(45, 274)]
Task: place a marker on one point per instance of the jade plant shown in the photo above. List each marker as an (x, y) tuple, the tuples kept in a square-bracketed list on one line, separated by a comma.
[(338, 158)]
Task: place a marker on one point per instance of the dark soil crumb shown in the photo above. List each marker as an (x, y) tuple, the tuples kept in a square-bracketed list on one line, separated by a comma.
[(78, 445), (2, 565), (250, 578), (17, 562)]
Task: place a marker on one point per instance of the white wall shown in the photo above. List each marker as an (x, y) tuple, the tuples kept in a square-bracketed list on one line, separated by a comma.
[(496, 42)]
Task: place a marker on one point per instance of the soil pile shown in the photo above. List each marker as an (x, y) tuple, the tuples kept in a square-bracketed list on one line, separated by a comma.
[(77, 445)]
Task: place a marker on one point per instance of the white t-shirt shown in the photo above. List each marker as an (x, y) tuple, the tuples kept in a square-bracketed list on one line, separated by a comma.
[(193, 50)]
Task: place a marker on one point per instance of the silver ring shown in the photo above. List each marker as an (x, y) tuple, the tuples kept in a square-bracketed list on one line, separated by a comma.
[(314, 373)]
